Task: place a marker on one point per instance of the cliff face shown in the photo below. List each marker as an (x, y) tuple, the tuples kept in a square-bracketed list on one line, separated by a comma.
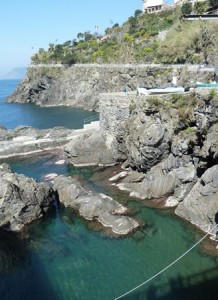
[(81, 85), (172, 144)]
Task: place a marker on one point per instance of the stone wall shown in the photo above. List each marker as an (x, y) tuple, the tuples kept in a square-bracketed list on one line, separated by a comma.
[(114, 111)]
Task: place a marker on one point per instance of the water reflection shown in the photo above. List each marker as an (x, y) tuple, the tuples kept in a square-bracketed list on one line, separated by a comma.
[(198, 286), (11, 260)]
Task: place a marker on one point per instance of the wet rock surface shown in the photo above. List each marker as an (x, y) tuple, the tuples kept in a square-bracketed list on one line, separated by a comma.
[(22, 199), (89, 149), (94, 206), (25, 140)]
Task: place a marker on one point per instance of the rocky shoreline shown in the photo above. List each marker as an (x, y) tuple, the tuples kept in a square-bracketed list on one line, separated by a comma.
[(23, 200), (166, 144), (168, 147)]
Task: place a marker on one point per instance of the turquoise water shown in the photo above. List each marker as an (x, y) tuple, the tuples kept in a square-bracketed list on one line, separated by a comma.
[(13, 114), (64, 257)]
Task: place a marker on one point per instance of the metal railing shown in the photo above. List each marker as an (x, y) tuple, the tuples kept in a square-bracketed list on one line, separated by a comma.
[(91, 119)]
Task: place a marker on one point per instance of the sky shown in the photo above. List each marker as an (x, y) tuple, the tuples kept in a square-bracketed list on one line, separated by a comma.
[(27, 25)]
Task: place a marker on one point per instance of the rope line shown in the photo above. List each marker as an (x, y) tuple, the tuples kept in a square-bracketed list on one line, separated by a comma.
[(167, 267)]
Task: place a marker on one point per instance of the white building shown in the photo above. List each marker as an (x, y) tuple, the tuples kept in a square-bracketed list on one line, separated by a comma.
[(184, 1), (154, 6)]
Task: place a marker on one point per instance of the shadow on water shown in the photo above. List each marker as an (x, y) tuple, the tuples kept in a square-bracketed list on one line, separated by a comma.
[(22, 275), (200, 286)]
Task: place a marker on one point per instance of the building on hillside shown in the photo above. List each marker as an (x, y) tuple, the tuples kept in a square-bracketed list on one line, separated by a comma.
[(155, 6), (180, 2)]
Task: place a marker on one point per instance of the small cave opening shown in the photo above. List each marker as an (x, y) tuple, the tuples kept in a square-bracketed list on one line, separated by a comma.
[(216, 218), (207, 163)]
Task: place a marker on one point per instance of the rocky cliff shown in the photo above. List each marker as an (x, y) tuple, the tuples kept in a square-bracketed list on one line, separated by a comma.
[(169, 143), (173, 141), (81, 85)]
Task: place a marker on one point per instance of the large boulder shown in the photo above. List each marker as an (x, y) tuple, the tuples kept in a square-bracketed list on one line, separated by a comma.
[(94, 206), (22, 199), (89, 149), (200, 206)]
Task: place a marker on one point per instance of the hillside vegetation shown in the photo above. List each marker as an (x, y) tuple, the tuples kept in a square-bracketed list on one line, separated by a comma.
[(144, 38)]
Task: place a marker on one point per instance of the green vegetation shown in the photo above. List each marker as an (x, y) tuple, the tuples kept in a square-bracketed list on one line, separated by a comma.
[(212, 94), (190, 129), (132, 106), (144, 38), (183, 104)]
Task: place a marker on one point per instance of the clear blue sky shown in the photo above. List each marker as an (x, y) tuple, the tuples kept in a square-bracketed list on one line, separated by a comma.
[(28, 25)]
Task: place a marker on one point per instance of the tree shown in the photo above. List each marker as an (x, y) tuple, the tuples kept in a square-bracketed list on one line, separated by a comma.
[(74, 42), (51, 47), (88, 36), (186, 8), (35, 59), (138, 13), (80, 35), (200, 7), (67, 43), (115, 25)]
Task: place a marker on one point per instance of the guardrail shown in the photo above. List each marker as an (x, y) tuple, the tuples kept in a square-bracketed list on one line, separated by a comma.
[(91, 119)]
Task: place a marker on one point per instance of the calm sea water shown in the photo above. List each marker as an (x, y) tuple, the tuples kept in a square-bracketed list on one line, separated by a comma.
[(13, 115), (64, 257)]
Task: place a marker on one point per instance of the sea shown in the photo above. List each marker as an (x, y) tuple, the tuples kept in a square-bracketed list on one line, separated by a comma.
[(64, 257)]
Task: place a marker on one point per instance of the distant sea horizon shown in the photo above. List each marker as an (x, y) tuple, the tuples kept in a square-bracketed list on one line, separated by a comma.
[(17, 73)]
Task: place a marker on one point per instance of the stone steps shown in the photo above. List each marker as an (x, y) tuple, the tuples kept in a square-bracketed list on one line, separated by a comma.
[(92, 125)]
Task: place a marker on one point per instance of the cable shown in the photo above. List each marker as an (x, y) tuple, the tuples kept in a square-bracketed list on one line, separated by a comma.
[(167, 267)]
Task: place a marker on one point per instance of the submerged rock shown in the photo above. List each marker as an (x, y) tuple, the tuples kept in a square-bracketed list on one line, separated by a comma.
[(94, 206), (22, 199)]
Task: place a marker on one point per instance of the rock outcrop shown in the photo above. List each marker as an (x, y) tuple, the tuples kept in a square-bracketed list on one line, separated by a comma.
[(200, 206), (170, 142), (93, 206), (22, 199), (81, 85), (27, 140), (89, 149)]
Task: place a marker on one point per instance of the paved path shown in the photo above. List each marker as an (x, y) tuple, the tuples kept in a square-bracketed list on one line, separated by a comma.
[(178, 66)]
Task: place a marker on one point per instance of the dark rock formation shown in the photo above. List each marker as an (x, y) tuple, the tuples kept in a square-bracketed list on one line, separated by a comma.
[(22, 199), (172, 141), (200, 206), (89, 149), (93, 206)]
